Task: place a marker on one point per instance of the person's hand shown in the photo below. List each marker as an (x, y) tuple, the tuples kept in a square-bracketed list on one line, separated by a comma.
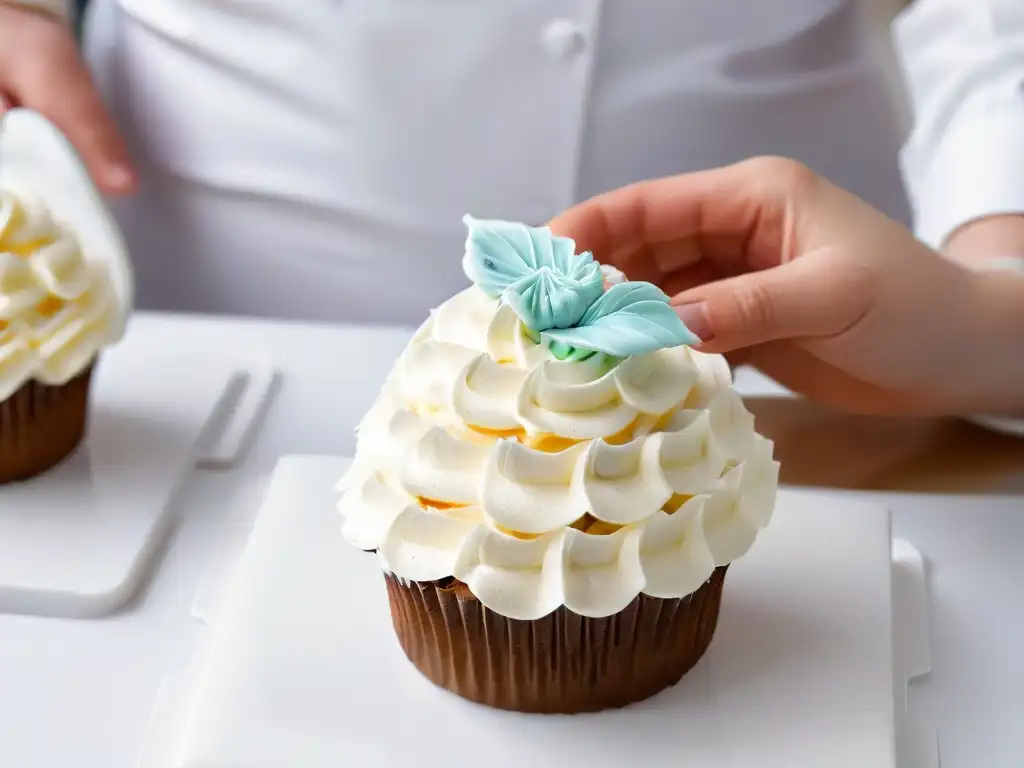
[(815, 287), (40, 69)]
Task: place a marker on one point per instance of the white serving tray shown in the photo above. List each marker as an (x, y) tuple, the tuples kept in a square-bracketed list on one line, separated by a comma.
[(77, 540), (300, 669)]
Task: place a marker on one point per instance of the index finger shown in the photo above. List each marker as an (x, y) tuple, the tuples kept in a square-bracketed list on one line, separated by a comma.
[(739, 200)]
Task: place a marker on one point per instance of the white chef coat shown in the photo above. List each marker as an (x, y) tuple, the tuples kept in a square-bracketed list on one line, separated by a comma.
[(313, 159), (230, 105)]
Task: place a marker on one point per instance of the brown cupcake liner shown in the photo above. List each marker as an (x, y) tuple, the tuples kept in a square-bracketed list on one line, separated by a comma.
[(561, 663), (40, 425)]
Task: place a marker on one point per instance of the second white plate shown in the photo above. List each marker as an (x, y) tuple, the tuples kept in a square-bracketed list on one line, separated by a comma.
[(76, 540)]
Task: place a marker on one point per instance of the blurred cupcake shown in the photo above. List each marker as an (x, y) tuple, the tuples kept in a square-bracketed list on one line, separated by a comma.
[(62, 296), (555, 484)]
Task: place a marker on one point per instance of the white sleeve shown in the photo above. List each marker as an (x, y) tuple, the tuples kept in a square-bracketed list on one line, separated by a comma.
[(964, 65), (59, 8), (998, 423)]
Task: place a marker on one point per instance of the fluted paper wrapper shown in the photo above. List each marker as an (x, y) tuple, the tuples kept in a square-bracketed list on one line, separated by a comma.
[(562, 663), (40, 425)]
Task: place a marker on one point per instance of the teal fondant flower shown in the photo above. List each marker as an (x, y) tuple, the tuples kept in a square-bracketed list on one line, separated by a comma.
[(628, 319), (559, 294), (536, 273)]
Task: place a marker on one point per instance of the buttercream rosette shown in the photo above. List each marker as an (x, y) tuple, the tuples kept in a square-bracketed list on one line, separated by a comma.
[(525, 458)]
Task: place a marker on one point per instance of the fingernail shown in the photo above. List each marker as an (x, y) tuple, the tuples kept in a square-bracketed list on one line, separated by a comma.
[(119, 176), (695, 318)]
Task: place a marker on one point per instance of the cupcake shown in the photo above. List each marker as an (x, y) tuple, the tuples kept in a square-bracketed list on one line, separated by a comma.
[(554, 483), (64, 294)]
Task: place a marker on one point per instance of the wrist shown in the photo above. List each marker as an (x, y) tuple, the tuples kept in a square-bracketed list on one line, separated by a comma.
[(977, 242), (994, 370), (58, 9)]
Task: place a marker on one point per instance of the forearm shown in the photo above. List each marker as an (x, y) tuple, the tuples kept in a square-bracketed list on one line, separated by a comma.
[(989, 238), (59, 8)]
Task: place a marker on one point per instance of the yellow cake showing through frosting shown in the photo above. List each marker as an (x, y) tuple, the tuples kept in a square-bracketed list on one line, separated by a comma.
[(57, 308)]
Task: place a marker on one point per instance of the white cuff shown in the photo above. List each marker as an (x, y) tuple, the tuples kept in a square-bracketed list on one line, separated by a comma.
[(997, 423), (58, 8), (977, 170)]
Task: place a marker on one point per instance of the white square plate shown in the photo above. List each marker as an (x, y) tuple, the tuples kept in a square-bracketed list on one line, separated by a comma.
[(302, 669), (75, 541)]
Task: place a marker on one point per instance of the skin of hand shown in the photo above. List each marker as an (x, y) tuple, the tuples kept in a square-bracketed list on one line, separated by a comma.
[(992, 237), (816, 288), (40, 69)]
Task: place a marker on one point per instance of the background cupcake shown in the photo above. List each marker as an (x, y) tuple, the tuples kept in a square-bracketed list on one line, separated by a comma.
[(555, 484), (64, 294)]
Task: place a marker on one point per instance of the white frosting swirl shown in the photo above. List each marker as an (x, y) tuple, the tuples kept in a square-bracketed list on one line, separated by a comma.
[(56, 308), (542, 483)]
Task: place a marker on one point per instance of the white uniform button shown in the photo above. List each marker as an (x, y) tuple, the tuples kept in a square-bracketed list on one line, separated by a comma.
[(564, 39)]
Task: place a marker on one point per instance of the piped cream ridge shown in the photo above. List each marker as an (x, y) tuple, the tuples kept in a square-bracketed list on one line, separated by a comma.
[(57, 307), (541, 483)]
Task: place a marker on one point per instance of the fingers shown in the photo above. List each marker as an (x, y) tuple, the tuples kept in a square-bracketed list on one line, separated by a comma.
[(623, 220), (655, 262), (60, 87), (748, 201), (814, 297), (77, 110)]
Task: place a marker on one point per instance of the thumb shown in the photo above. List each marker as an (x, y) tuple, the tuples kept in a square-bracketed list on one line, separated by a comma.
[(812, 296), (65, 93)]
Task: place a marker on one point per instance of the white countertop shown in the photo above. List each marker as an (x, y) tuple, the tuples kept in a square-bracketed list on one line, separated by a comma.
[(80, 693)]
